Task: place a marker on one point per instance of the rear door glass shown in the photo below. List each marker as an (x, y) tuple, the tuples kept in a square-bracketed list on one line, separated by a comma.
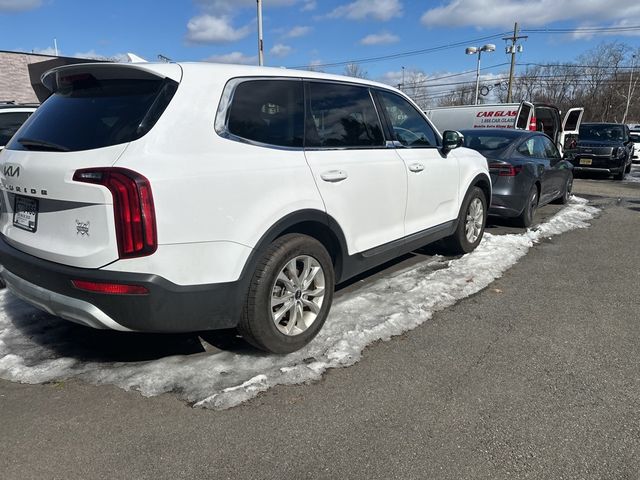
[(86, 112), (342, 116)]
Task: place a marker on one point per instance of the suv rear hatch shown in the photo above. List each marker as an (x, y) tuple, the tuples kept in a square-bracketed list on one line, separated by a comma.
[(92, 217)]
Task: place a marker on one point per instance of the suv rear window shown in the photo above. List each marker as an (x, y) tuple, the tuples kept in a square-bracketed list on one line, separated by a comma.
[(86, 112)]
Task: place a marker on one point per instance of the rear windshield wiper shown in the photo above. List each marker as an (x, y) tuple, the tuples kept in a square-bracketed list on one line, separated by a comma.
[(33, 144)]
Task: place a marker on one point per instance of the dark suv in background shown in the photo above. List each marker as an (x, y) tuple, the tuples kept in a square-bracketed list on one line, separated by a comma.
[(603, 147)]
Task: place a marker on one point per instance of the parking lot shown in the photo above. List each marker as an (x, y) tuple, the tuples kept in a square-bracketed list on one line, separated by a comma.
[(525, 369)]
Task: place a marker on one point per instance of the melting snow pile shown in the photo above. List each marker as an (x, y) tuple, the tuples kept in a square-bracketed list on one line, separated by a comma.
[(34, 347)]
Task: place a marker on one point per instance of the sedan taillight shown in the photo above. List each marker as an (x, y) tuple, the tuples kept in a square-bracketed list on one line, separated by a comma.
[(504, 169)]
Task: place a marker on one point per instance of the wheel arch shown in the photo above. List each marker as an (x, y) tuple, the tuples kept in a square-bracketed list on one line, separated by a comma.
[(483, 182), (314, 223)]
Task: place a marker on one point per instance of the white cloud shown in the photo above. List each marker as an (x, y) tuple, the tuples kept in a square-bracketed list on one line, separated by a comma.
[(580, 34), (379, 39), (362, 9), (212, 29), (309, 5), (233, 57), (503, 13), (298, 31), (280, 50), (19, 5)]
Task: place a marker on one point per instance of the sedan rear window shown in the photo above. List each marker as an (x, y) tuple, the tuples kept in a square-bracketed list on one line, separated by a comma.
[(86, 112)]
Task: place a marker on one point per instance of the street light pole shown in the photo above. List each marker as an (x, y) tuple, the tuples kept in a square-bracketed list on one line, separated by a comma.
[(260, 41), (626, 110), (489, 47), (478, 76)]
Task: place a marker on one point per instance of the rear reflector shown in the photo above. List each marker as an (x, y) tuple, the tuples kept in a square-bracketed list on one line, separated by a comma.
[(110, 288), (133, 208), (504, 169)]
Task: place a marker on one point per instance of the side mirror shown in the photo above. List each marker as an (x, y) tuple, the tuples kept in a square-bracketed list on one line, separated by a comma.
[(450, 140)]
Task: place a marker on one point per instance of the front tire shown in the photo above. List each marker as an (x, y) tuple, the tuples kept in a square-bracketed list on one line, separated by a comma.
[(289, 296), (471, 222)]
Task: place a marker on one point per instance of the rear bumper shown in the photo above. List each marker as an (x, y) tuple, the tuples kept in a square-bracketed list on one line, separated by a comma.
[(166, 308)]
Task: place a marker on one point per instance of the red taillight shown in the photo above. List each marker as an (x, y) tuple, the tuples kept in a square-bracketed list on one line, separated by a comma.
[(533, 125), (110, 288), (504, 169), (133, 208)]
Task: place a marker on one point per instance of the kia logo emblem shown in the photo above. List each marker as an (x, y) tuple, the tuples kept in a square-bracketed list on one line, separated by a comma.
[(11, 171)]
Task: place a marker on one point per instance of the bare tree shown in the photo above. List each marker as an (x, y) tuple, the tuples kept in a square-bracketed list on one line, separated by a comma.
[(355, 70)]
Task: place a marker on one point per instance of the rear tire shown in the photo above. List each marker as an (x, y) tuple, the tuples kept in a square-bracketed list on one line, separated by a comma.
[(525, 219), (471, 222), (289, 296), (568, 186)]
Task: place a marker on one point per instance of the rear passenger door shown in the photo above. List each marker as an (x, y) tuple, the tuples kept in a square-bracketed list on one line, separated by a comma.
[(534, 148), (432, 179), (362, 183)]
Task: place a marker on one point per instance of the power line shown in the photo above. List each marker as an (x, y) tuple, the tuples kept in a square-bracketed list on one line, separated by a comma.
[(431, 79), (626, 28), (573, 66), (404, 54)]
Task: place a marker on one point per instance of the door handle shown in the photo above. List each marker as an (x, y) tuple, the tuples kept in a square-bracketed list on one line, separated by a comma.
[(334, 176), (416, 167)]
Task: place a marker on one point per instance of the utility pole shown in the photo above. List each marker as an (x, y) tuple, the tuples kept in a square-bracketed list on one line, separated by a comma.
[(626, 110), (512, 49), (260, 42)]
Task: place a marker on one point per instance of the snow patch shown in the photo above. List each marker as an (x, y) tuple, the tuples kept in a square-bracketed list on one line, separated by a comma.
[(36, 347)]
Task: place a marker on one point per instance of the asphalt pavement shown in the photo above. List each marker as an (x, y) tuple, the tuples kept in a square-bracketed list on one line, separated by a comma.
[(536, 376)]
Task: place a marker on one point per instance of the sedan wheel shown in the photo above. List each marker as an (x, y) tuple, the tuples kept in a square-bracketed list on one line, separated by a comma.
[(526, 217)]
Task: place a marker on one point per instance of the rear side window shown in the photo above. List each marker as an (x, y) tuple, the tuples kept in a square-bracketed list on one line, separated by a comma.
[(268, 111), (87, 112), (342, 116), (10, 122)]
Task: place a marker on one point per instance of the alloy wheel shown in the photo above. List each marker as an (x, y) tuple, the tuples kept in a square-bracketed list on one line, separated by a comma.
[(474, 220), (297, 295)]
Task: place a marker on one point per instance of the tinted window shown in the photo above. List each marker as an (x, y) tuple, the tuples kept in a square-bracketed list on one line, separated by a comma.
[(268, 111), (10, 122), (533, 147), (86, 112), (601, 132), (486, 142), (550, 149), (409, 126), (342, 116)]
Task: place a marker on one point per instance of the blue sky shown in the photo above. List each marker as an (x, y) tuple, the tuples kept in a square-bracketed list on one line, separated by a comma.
[(308, 32)]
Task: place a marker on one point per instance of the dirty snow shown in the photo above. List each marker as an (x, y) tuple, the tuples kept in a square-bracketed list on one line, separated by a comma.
[(36, 347)]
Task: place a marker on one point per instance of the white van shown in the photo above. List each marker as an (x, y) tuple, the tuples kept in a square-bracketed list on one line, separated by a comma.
[(186, 197), (525, 116)]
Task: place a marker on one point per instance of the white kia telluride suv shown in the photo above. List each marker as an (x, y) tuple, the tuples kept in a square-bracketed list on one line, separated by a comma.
[(187, 197)]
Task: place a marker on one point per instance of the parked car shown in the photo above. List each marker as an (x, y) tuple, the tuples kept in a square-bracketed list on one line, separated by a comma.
[(185, 197), (603, 147), (539, 117), (527, 171), (635, 139), (12, 116)]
